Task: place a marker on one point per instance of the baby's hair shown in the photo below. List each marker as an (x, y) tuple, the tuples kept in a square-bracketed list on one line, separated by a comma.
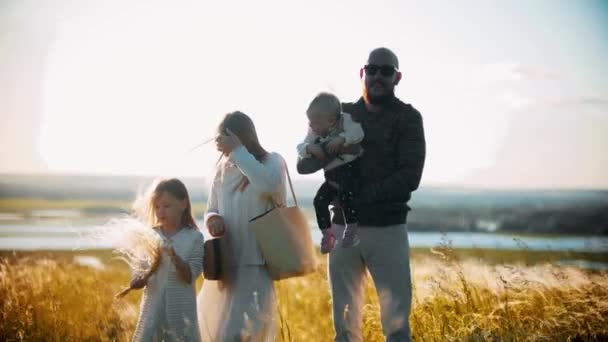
[(325, 104)]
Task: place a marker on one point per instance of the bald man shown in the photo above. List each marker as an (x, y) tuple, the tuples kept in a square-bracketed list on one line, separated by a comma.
[(391, 168)]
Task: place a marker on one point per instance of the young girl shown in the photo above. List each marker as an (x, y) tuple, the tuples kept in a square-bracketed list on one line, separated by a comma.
[(168, 306)]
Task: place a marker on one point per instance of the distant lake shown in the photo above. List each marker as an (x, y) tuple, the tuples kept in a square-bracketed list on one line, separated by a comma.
[(67, 234)]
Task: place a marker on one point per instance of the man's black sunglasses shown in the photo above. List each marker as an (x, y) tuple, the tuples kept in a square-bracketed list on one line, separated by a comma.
[(385, 70)]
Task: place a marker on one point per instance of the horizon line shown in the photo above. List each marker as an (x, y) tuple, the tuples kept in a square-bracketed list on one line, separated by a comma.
[(433, 185)]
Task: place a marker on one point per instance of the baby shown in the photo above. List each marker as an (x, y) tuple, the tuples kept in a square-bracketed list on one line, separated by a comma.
[(330, 130)]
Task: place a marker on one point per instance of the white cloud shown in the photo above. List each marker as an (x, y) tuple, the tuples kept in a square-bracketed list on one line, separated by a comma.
[(505, 72), (535, 73), (550, 146), (514, 100)]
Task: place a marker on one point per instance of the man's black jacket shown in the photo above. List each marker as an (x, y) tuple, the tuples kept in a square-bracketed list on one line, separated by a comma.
[(394, 150)]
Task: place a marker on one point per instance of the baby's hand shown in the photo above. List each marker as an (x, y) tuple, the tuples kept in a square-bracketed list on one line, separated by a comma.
[(335, 144), (316, 151)]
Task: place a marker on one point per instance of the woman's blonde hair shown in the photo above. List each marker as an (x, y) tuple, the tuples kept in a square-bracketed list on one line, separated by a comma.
[(242, 126)]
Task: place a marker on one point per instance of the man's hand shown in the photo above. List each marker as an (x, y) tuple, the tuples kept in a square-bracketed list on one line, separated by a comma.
[(216, 226), (335, 144), (350, 149), (316, 151)]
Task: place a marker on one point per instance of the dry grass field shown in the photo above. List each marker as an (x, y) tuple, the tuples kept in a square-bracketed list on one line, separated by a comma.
[(473, 296)]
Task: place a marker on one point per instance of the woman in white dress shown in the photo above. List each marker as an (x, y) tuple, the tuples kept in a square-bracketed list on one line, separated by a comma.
[(240, 306), (168, 305)]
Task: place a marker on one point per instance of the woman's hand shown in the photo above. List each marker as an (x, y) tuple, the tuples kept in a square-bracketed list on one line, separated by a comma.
[(215, 225), (225, 143)]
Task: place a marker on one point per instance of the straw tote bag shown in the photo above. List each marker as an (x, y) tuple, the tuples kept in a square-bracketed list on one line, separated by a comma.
[(284, 237)]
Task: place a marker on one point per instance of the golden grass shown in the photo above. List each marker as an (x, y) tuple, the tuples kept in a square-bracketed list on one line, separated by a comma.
[(47, 296)]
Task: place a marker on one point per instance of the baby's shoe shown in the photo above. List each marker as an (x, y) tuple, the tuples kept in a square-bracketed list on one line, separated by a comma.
[(328, 241), (351, 236)]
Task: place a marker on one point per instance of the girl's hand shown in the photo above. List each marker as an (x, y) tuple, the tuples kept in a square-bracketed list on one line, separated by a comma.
[(169, 249), (225, 143), (335, 144), (216, 226), (138, 283)]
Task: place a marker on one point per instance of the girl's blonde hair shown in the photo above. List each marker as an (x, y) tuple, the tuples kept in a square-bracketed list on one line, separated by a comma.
[(242, 126), (144, 206)]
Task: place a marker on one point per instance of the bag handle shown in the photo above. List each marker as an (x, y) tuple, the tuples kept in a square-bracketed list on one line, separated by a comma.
[(293, 193)]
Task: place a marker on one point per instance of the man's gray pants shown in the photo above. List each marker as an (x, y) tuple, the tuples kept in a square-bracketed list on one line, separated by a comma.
[(384, 251)]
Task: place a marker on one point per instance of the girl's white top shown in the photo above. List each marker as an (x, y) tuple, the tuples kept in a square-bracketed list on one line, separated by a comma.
[(168, 305)]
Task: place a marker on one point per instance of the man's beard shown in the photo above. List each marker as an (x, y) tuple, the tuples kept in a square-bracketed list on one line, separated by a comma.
[(378, 100)]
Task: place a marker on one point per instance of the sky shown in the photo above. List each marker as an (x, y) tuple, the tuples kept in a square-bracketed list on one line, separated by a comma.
[(513, 94)]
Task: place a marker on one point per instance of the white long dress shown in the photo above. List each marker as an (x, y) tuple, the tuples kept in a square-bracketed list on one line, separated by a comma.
[(168, 305), (242, 305)]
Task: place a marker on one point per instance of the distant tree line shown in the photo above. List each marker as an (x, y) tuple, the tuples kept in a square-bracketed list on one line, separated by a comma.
[(575, 220)]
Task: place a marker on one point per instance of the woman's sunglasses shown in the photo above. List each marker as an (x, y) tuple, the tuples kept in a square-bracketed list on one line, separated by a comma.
[(385, 70)]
